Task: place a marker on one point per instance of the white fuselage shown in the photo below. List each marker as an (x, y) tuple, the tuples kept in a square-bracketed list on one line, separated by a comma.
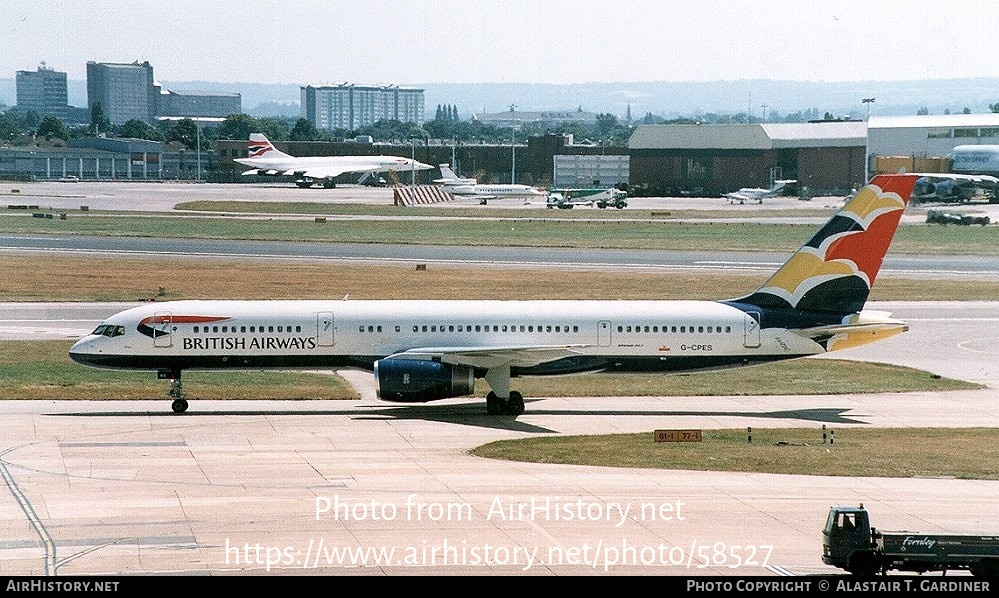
[(496, 190), (585, 335), (291, 164)]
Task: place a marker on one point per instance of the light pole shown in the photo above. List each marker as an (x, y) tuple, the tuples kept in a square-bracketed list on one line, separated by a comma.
[(198, 128), (513, 147), (867, 141), (868, 101)]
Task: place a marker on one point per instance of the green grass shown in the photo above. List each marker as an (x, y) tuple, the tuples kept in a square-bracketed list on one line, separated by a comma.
[(432, 211), (967, 453), (37, 370), (43, 370), (524, 232), (795, 377)]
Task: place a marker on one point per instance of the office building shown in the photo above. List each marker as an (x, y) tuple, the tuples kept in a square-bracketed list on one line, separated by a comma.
[(194, 104), (125, 91), (43, 91), (351, 107)]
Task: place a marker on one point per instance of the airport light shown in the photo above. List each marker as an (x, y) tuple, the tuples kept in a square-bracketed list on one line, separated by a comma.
[(868, 101)]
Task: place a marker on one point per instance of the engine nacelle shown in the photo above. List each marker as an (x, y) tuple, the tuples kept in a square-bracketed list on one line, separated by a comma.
[(419, 381)]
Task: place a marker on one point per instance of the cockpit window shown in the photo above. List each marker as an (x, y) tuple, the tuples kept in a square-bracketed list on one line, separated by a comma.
[(109, 330)]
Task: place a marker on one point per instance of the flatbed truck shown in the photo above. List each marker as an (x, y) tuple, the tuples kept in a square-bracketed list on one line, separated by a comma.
[(849, 542)]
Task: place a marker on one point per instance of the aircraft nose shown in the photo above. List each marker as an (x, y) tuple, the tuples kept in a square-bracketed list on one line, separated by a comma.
[(83, 351), (421, 166)]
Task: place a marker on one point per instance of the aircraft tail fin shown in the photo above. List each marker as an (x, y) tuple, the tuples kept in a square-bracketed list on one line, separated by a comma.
[(834, 271), (447, 173), (261, 147)]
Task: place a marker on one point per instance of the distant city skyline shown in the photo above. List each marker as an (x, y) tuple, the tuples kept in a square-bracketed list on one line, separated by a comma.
[(512, 41)]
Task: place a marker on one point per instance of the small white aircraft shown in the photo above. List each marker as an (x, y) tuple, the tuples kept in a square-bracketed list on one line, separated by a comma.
[(757, 194), (471, 188), (267, 160), (423, 351)]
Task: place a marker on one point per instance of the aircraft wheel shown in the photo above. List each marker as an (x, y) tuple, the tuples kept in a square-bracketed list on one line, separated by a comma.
[(179, 406), (494, 404), (515, 406)]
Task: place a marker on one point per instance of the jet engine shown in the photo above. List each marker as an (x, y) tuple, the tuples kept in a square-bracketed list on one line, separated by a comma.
[(419, 381)]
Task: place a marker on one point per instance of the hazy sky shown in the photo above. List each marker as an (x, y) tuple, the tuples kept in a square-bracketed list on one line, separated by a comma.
[(524, 41)]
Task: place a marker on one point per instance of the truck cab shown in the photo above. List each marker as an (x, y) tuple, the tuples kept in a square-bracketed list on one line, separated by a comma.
[(847, 540)]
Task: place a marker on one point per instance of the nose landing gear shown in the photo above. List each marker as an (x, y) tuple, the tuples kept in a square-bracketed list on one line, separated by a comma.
[(176, 392)]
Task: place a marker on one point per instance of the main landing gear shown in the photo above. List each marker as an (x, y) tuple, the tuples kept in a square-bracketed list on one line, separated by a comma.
[(176, 392), (501, 399), (498, 406)]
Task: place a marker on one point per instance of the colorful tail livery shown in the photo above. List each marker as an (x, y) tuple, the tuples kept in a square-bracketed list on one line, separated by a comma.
[(834, 271), (423, 351)]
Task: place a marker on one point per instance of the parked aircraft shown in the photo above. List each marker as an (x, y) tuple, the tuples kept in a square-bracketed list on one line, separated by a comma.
[(267, 160), (448, 177), (428, 350), (953, 187), (471, 188), (757, 194)]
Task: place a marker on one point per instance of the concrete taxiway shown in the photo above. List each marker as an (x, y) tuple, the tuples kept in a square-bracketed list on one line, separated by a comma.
[(364, 487)]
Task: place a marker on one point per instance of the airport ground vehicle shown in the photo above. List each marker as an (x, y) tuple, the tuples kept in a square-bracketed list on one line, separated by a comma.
[(566, 199), (941, 217), (849, 542)]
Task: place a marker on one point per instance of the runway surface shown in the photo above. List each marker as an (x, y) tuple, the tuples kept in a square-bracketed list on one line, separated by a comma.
[(915, 266), (372, 488)]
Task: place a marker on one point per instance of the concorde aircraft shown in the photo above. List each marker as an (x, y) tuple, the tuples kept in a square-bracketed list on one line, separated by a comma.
[(428, 350), (266, 160)]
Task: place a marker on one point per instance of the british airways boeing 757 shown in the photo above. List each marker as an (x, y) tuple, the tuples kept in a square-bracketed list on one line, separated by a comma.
[(267, 160), (428, 350)]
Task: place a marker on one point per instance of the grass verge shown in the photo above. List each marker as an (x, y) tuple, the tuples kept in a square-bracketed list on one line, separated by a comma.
[(55, 277), (43, 370), (967, 453)]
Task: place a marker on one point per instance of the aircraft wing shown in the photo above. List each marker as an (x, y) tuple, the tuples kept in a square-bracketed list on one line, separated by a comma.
[(740, 197), (320, 172), (489, 357), (952, 176)]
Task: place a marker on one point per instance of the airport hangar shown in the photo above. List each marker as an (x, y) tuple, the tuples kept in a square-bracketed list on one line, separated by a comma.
[(825, 157), (927, 140)]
